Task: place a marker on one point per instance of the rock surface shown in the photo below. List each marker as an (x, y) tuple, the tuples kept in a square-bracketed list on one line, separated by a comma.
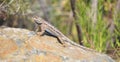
[(21, 45)]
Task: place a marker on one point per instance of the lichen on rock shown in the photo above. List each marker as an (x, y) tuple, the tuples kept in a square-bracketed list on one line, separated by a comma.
[(21, 45)]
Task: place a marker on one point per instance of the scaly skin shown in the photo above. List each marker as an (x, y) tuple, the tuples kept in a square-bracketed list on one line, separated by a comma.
[(43, 26)]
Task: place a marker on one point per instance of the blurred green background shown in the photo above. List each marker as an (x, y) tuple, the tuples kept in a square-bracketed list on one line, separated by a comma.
[(99, 20)]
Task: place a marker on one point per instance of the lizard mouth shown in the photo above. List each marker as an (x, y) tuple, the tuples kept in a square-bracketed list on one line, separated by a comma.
[(38, 22)]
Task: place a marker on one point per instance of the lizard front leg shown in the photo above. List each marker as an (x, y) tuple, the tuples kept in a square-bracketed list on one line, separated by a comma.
[(36, 28), (39, 29)]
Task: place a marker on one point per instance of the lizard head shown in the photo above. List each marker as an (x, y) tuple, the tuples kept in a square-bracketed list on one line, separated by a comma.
[(37, 20)]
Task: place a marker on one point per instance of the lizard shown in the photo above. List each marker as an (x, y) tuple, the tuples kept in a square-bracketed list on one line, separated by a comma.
[(43, 26)]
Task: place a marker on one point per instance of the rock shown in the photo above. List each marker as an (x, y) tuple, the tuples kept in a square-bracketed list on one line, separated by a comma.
[(21, 45)]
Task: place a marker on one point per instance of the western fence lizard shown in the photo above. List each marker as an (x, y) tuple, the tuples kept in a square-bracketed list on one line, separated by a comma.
[(45, 26)]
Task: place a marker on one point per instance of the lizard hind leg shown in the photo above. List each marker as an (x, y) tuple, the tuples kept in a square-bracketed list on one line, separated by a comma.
[(61, 41), (58, 38)]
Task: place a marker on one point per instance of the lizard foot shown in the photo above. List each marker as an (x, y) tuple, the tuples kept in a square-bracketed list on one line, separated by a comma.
[(39, 33)]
